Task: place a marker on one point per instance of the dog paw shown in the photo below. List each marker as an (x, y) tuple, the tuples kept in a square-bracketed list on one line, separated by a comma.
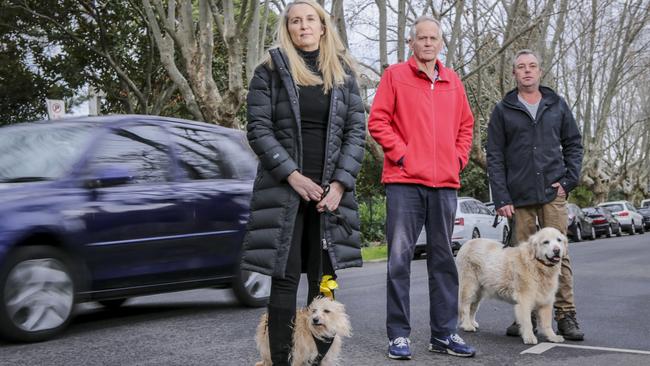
[(529, 339), (468, 327), (555, 339)]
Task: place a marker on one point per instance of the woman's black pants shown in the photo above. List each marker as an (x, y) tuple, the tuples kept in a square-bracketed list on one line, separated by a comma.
[(305, 248)]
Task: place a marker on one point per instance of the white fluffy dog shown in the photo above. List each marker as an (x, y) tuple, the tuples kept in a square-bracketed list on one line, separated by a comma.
[(526, 276), (324, 319)]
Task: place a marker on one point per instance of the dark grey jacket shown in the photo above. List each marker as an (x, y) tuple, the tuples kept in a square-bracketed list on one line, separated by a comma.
[(274, 134), (525, 155)]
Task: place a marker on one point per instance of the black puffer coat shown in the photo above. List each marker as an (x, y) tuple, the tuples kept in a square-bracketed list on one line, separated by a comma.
[(274, 134)]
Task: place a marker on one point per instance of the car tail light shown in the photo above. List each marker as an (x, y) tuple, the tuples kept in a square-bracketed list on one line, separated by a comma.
[(600, 220), (622, 213), (459, 221)]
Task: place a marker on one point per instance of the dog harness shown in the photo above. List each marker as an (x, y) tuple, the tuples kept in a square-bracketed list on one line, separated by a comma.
[(323, 346)]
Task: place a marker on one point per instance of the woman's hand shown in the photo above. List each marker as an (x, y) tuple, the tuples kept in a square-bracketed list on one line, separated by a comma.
[(332, 199), (305, 187)]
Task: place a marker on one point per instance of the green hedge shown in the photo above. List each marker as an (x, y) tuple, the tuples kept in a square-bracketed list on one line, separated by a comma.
[(373, 216)]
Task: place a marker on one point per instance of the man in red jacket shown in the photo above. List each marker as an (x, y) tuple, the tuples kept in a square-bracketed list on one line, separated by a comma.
[(421, 118)]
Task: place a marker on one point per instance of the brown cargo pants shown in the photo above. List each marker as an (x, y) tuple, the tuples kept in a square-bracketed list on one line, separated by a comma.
[(553, 214)]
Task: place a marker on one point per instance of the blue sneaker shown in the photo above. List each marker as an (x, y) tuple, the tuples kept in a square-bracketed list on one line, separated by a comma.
[(452, 344), (399, 348)]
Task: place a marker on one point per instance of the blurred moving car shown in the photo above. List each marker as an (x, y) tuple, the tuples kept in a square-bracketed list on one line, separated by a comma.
[(625, 212), (579, 226), (107, 208), (603, 222), (473, 220), (645, 212)]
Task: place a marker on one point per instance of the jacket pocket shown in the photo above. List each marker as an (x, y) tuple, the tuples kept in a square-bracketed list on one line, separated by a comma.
[(411, 166)]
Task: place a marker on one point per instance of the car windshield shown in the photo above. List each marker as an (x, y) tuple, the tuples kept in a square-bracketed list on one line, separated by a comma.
[(614, 207), (29, 153)]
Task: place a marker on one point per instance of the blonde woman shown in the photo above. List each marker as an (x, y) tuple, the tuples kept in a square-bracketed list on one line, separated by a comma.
[(306, 124)]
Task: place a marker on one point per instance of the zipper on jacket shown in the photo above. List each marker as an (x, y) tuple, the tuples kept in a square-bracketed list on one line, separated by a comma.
[(433, 112), (333, 100), (285, 68)]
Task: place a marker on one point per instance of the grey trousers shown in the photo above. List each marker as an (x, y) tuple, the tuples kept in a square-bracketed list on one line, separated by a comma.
[(409, 207)]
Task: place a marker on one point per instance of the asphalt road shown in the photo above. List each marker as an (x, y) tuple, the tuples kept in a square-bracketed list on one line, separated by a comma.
[(207, 327)]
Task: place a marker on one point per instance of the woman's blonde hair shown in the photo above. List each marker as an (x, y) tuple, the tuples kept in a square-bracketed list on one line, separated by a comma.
[(332, 58)]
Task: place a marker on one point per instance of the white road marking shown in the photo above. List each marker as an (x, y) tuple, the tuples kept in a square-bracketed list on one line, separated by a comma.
[(545, 346)]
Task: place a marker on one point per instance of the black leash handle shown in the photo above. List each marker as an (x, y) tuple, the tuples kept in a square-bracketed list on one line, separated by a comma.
[(340, 220), (511, 225)]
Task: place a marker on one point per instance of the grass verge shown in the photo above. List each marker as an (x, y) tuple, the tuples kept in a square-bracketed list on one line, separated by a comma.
[(374, 252)]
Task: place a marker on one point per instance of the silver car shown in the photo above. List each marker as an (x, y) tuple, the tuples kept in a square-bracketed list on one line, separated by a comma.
[(625, 212), (473, 220)]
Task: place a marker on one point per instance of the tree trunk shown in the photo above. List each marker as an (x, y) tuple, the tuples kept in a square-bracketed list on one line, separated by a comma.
[(338, 16), (401, 27)]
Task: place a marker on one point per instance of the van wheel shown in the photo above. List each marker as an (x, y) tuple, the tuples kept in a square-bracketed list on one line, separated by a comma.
[(37, 294)]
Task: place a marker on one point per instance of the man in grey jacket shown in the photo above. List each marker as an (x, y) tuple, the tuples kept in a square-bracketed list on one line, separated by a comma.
[(534, 155)]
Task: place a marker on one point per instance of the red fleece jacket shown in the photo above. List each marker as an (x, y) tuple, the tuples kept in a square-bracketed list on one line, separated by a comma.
[(426, 124)]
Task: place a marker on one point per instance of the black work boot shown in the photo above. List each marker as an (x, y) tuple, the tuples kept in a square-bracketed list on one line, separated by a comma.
[(280, 334), (513, 329), (567, 326)]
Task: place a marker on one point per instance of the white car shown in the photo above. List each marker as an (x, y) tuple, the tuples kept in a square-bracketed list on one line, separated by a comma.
[(626, 214), (473, 220)]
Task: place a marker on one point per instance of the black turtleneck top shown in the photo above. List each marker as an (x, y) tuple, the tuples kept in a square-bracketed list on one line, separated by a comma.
[(314, 117)]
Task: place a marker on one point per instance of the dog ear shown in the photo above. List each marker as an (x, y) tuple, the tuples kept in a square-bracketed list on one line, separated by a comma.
[(530, 245), (344, 328)]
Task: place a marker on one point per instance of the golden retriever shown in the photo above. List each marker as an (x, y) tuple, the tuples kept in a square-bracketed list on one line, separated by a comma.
[(324, 319), (526, 276)]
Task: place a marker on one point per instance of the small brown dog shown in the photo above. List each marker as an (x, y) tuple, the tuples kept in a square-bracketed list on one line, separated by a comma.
[(324, 319)]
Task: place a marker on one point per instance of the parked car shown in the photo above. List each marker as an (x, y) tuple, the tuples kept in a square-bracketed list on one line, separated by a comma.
[(645, 203), (645, 212), (579, 225), (625, 212), (108, 208), (603, 222), (473, 220)]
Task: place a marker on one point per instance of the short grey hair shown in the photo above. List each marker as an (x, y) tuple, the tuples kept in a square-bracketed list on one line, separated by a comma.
[(424, 18), (525, 51)]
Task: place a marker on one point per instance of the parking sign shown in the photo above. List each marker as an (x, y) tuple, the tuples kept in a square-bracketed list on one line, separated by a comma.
[(55, 108)]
